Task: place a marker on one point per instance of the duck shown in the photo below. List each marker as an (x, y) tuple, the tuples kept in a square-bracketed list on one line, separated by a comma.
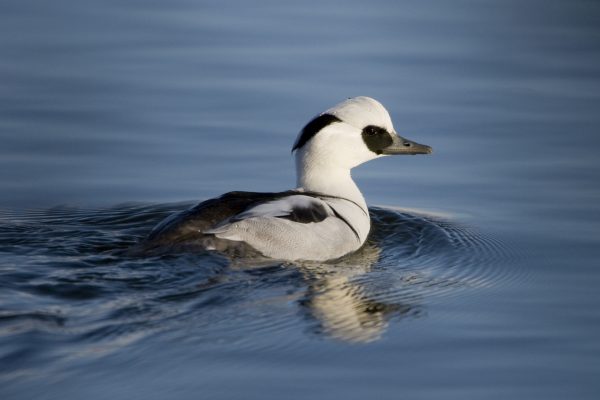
[(324, 218)]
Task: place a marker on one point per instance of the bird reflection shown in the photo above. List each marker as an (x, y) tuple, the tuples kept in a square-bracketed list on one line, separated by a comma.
[(342, 305), (338, 296)]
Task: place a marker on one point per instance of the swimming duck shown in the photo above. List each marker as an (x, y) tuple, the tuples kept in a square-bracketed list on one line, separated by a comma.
[(324, 218)]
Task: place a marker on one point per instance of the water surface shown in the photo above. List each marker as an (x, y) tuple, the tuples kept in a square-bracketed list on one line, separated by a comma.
[(480, 278)]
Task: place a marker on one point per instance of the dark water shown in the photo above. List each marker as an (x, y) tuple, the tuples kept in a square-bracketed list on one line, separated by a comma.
[(480, 278)]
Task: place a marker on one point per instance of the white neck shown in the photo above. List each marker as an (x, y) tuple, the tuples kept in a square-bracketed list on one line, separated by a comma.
[(326, 178)]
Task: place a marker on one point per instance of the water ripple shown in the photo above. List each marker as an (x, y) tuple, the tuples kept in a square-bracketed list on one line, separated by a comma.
[(67, 277)]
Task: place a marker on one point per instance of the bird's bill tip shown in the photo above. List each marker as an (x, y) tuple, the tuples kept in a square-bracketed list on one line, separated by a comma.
[(401, 145)]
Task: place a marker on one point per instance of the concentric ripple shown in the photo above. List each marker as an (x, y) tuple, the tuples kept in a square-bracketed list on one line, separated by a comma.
[(68, 280), (438, 256)]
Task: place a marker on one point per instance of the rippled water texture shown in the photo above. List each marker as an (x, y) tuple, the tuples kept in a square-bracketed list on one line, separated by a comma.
[(70, 275), (479, 281)]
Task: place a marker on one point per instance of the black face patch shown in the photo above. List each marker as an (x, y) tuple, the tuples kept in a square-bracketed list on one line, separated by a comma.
[(376, 138), (313, 127)]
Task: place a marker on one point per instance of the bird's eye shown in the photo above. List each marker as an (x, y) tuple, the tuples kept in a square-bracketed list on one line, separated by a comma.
[(372, 130)]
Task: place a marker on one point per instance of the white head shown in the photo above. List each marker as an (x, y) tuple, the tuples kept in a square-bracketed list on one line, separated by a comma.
[(352, 132)]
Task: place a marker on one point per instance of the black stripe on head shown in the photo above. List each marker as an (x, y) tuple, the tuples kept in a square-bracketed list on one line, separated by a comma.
[(313, 127), (376, 138)]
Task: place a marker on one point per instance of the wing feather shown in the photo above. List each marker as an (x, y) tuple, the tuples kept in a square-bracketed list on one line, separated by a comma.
[(297, 208)]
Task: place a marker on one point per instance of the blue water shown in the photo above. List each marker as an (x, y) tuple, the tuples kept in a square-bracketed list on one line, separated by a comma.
[(480, 278)]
